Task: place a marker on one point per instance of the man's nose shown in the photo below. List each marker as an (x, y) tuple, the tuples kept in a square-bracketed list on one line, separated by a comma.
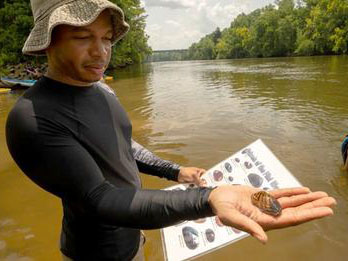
[(99, 48)]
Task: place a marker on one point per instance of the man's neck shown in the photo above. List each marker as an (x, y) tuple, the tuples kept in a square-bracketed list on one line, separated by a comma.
[(54, 75)]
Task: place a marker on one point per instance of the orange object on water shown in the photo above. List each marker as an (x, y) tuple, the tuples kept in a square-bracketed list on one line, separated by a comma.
[(108, 78)]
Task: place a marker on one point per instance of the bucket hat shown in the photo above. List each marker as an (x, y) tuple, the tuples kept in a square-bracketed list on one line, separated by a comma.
[(50, 13)]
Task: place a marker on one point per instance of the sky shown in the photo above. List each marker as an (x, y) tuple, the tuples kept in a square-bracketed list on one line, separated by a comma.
[(176, 24)]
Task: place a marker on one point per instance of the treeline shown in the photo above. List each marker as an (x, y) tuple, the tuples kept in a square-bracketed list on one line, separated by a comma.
[(307, 27), (16, 21)]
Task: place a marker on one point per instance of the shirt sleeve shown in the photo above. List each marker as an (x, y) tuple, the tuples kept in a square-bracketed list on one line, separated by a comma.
[(150, 163), (58, 163)]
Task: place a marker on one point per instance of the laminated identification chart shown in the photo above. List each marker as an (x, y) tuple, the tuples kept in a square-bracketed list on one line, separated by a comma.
[(254, 165)]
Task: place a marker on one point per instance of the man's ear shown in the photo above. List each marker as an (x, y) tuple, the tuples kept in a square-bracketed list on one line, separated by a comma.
[(53, 40)]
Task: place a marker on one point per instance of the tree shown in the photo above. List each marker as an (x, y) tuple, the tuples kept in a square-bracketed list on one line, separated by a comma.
[(216, 35), (285, 7), (16, 22), (327, 26), (311, 27), (134, 47)]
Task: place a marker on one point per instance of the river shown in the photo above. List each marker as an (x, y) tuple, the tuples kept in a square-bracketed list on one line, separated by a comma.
[(198, 113)]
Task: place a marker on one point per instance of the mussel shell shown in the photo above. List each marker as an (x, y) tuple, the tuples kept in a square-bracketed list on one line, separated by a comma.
[(266, 203), (248, 165), (255, 180), (191, 237), (235, 230), (200, 220), (218, 175), (218, 222), (210, 235), (228, 167)]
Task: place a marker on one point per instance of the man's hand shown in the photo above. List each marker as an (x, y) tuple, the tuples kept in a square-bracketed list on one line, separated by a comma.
[(232, 205), (191, 175)]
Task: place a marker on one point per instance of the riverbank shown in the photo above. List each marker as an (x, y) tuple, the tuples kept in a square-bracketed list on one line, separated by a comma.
[(24, 71)]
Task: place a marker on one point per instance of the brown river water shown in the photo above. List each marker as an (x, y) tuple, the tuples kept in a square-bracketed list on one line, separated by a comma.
[(197, 114)]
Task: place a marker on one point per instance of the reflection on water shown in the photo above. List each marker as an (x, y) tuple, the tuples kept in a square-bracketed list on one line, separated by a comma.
[(198, 113)]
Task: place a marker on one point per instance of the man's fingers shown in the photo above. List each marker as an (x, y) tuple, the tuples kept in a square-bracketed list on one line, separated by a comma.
[(299, 200), (321, 202), (295, 216), (201, 172), (203, 183), (196, 180), (197, 177), (305, 215), (246, 224), (287, 192)]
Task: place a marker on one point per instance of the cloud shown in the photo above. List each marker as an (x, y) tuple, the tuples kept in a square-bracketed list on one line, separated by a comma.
[(171, 4), (171, 35), (173, 23), (179, 23)]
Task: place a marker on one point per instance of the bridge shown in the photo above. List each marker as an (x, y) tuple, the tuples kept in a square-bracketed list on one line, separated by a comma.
[(168, 55)]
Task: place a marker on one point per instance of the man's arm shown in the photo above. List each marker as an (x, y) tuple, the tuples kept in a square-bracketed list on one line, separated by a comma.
[(62, 166), (150, 163), (58, 163)]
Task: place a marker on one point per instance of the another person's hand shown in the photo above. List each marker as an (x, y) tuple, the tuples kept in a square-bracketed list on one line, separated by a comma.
[(233, 206), (191, 175)]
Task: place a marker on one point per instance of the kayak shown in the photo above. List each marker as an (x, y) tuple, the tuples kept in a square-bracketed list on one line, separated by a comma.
[(16, 83), (5, 90), (108, 78)]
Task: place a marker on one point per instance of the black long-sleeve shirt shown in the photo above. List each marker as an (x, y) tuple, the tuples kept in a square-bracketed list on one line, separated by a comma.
[(75, 142)]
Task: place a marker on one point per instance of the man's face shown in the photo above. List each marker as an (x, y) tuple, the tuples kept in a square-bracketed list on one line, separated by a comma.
[(80, 55)]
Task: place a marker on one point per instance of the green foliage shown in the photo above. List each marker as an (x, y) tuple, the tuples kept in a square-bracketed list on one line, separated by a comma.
[(134, 47), (309, 27), (205, 48), (305, 46), (16, 22), (327, 26)]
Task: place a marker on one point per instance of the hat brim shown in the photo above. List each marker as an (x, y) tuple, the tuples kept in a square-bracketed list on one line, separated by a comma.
[(77, 13)]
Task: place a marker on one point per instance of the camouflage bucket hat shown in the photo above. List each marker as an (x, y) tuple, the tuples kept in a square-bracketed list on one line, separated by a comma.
[(50, 13)]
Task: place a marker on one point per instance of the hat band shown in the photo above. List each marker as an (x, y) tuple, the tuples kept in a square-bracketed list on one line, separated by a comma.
[(45, 10)]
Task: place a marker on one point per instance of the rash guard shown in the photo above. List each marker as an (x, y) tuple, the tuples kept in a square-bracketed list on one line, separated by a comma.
[(76, 143)]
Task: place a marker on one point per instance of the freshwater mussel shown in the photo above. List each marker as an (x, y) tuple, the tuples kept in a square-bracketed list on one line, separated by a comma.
[(191, 237), (235, 230), (210, 235), (228, 167), (255, 180), (218, 175), (218, 222), (248, 165), (266, 203)]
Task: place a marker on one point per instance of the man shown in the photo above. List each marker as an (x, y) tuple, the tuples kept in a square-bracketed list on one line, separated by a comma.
[(70, 135), (344, 150)]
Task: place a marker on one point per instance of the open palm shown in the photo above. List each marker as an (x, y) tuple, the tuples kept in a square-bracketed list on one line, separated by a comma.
[(233, 206)]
